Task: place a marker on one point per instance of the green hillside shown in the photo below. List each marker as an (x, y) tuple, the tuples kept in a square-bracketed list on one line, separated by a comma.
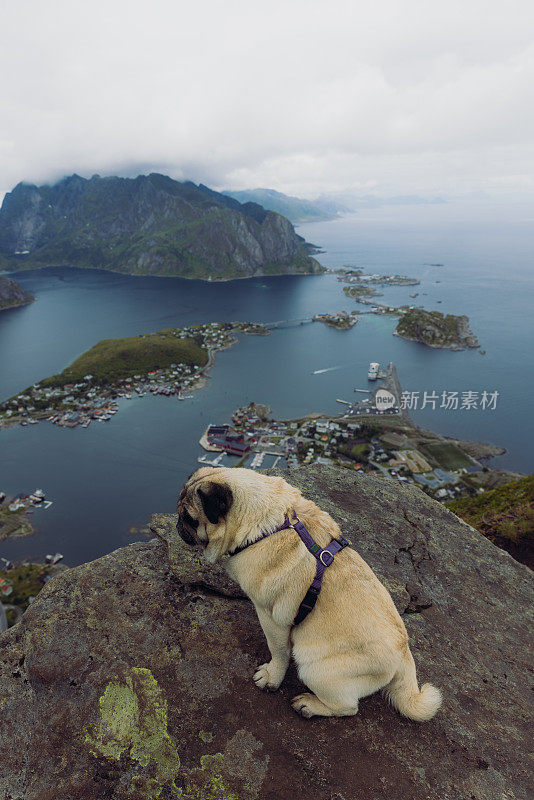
[(505, 515), (113, 359)]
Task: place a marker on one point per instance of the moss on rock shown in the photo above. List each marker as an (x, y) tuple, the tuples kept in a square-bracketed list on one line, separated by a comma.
[(133, 722)]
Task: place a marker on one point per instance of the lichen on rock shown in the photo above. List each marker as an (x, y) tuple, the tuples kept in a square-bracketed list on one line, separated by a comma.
[(133, 722)]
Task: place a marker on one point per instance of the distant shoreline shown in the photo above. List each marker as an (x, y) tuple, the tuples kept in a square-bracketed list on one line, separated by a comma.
[(35, 268), (18, 305)]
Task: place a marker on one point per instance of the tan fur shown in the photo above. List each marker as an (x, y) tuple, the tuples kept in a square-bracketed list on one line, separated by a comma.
[(353, 642)]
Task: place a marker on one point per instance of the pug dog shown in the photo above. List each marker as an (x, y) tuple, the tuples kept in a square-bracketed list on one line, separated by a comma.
[(352, 643)]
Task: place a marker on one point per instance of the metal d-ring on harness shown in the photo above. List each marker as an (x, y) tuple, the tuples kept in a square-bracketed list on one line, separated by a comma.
[(323, 556)]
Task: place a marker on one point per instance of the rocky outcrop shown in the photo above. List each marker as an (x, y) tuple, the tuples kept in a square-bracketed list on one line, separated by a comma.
[(434, 329), (131, 677), (150, 225), (11, 294)]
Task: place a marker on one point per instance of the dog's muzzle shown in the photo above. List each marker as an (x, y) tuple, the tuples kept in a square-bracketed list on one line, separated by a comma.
[(185, 533)]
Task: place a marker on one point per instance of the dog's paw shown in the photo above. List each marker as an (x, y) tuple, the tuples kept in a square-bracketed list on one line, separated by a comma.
[(267, 677), (303, 704)]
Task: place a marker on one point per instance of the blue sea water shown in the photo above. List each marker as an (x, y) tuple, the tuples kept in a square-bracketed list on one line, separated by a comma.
[(107, 477)]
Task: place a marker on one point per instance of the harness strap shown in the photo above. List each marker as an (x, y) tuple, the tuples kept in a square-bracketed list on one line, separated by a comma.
[(323, 556), (286, 524)]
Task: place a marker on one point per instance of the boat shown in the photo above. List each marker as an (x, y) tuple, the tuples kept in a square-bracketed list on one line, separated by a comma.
[(372, 375), (37, 497), (53, 559), (257, 460), (214, 462)]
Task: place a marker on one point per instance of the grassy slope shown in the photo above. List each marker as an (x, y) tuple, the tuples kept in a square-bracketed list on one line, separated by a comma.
[(505, 515), (113, 359), (448, 456), (27, 581)]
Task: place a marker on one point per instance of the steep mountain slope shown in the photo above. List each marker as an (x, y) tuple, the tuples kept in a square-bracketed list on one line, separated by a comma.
[(149, 225)]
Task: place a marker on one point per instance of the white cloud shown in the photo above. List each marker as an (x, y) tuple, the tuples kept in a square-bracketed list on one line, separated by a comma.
[(400, 95)]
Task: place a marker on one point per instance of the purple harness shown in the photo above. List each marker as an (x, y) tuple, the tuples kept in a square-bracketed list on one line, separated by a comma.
[(324, 558)]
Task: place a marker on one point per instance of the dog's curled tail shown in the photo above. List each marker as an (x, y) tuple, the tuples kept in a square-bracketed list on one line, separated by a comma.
[(403, 693)]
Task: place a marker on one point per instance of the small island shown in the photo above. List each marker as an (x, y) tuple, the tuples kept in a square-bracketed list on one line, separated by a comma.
[(342, 320), (12, 295), (359, 290), (13, 518), (360, 286), (435, 329), (357, 276)]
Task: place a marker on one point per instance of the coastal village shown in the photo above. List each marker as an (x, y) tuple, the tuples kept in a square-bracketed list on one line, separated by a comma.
[(91, 400), (366, 439)]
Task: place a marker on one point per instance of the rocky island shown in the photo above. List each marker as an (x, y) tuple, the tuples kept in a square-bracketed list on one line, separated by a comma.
[(435, 329), (359, 290), (357, 276), (131, 676), (150, 225), (12, 295), (343, 320)]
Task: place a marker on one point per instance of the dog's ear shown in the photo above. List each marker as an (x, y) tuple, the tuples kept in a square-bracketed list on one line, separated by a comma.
[(216, 499)]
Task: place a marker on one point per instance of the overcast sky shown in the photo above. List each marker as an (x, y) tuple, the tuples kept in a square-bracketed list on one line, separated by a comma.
[(387, 97)]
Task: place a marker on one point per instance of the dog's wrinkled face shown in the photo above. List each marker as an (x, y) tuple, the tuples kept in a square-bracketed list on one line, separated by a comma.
[(203, 506)]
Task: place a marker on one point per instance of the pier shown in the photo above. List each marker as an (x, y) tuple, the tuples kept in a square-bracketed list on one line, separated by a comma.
[(287, 323)]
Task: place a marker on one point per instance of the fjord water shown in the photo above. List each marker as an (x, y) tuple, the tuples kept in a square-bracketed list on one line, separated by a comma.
[(111, 476)]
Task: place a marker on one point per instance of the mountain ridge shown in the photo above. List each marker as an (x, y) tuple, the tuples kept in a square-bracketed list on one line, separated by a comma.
[(296, 209), (148, 225)]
